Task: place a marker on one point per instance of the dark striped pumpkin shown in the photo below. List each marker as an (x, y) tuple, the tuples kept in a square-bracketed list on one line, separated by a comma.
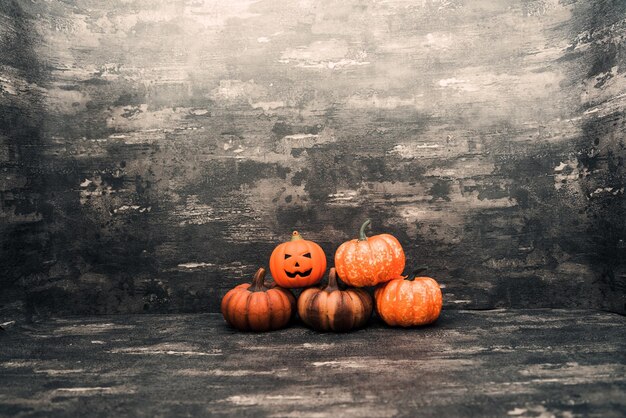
[(333, 309)]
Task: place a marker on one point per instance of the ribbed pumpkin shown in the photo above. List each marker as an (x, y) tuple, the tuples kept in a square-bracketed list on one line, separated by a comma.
[(330, 308), (297, 263), (369, 261), (258, 306), (409, 302)]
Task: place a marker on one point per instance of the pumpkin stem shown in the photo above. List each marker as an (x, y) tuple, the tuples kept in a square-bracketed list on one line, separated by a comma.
[(362, 236), (295, 236), (332, 280), (258, 282), (416, 272)]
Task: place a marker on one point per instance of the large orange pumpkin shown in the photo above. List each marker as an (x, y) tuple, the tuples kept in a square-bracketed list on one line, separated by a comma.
[(297, 263), (331, 308), (369, 261), (258, 306), (409, 302)]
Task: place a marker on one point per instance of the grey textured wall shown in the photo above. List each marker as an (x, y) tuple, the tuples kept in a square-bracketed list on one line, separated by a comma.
[(152, 153)]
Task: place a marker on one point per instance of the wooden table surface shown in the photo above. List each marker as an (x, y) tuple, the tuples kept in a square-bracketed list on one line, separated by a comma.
[(523, 363)]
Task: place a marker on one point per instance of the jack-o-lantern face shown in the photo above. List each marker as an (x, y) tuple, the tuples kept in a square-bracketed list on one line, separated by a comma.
[(297, 263)]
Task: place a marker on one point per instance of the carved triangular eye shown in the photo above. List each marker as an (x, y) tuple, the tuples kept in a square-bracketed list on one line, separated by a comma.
[(287, 256), (307, 255)]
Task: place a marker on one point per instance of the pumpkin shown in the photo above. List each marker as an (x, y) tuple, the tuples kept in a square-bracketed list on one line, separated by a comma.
[(369, 261), (258, 306), (409, 302), (297, 263), (333, 309)]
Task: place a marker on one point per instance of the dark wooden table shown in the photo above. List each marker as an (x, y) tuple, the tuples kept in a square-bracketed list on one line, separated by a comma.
[(537, 363)]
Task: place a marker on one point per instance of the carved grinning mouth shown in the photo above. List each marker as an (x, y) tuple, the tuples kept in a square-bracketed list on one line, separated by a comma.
[(301, 273)]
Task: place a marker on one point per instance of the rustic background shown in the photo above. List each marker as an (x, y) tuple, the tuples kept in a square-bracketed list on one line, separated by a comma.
[(152, 153)]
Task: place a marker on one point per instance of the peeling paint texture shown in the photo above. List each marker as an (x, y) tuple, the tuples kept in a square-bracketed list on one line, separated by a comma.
[(152, 153)]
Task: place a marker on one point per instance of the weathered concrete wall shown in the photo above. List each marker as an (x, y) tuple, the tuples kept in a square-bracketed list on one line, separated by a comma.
[(154, 152)]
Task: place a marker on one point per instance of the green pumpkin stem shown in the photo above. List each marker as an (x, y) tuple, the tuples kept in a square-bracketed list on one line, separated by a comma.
[(295, 236), (332, 280), (416, 272), (258, 282), (362, 236)]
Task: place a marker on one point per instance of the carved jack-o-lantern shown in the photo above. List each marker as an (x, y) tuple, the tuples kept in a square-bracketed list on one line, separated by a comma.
[(297, 263)]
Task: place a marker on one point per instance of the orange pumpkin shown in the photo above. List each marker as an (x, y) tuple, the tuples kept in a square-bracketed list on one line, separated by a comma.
[(409, 302), (369, 261), (333, 309), (258, 306), (297, 263)]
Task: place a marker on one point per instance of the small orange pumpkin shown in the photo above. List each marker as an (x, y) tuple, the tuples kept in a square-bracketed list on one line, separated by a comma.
[(333, 309), (369, 261), (409, 302), (258, 306), (297, 263)]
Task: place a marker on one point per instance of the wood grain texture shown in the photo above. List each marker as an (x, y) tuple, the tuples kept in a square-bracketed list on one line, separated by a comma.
[(153, 153), (469, 364)]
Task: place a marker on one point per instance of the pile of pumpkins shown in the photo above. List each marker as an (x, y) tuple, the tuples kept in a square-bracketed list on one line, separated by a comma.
[(367, 261)]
